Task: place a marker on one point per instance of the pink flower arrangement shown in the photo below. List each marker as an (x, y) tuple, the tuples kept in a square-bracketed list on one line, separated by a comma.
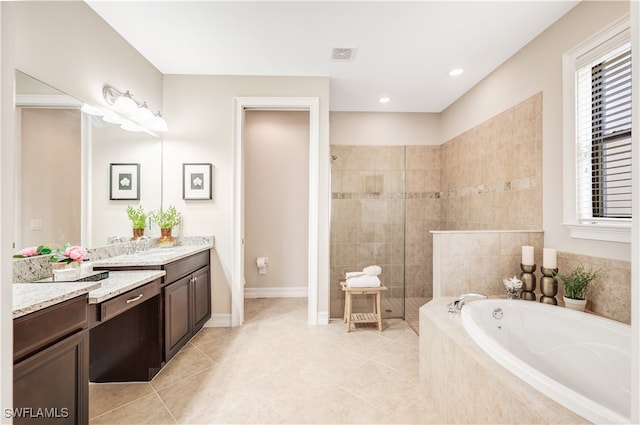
[(33, 251), (69, 253)]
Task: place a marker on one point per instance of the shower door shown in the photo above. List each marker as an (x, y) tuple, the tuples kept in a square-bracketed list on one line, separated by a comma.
[(368, 222)]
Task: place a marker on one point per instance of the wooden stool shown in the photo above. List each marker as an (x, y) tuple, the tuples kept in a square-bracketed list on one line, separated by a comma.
[(374, 317)]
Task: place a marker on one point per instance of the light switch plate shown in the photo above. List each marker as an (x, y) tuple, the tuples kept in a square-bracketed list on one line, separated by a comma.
[(36, 224)]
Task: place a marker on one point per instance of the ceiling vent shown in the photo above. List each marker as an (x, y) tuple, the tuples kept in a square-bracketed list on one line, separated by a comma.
[(343, 53)]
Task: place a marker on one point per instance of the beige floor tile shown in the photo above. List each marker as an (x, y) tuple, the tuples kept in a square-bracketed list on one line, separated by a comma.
[(106, 397), (277, 369), (399, 357), (145, 410), (189, 361), (336, 406), (381, 386)]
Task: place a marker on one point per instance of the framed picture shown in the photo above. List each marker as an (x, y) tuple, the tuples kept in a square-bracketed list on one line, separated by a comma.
[(125, 182), (196, 181)]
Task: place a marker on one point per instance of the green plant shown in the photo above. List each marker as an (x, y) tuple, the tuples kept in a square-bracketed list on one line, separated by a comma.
[(166, 219), (576, 283), (137, 216)]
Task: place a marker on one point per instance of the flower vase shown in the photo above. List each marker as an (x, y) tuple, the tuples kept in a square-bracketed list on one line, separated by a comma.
[(137, 233), (66, 272), (166, 240)]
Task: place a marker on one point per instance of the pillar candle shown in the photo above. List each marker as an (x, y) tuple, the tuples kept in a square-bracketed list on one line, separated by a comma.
[(549, 258), (527, 255)]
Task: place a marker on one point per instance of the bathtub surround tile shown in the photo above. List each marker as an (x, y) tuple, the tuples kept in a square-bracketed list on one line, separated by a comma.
[(610, 293), (467, 386), (477, 261)]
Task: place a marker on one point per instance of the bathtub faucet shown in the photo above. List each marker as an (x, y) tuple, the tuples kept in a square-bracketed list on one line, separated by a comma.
[(456, 305)]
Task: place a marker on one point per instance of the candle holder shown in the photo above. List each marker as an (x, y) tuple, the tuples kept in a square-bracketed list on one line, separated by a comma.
[(528, 279), (549, 286)]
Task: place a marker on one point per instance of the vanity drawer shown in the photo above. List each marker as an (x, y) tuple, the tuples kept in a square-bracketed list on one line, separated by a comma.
[(42, 328), (187, 265), (133, 298)]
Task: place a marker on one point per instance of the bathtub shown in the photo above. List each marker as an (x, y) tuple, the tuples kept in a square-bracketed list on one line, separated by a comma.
[(579, 360)]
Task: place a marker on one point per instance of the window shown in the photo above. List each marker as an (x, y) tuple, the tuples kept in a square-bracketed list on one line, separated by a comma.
[(604, 137), (597, 145)]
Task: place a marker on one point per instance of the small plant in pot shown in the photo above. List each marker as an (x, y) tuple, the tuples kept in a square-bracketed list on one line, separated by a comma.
[(576, 286), (138, 219), (166, 220)]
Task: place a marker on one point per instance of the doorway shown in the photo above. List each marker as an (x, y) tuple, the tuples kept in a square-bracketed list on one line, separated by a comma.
[(276, 193), (242, 105)]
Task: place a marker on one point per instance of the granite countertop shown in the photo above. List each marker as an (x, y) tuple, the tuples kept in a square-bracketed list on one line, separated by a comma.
[(153, 257), (31, 297), (120, 282)]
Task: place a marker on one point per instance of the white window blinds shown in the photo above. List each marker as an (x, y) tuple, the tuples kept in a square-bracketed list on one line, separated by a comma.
[(604, 136)]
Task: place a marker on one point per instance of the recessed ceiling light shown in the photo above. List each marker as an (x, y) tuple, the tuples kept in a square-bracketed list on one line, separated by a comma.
[(455, 72), (384, 99)]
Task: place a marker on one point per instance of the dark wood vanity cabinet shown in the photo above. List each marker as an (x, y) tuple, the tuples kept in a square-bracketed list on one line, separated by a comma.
[(187, 301), (51, 365), (185, 298), (126, 336)]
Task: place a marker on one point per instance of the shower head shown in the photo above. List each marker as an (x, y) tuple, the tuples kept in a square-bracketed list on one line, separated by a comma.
[(334, 157)]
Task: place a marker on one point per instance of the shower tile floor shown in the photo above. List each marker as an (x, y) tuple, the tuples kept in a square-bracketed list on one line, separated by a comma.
[(277, 369), (392, 307)]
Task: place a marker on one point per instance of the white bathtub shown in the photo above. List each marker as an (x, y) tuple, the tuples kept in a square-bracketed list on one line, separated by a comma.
[(579, 360)]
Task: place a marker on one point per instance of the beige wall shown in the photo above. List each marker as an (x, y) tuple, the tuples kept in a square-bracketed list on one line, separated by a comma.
[(276, 198), (538, 68), (110, 144), (66, 45), (202, 116), (50, 186), (382, 128)]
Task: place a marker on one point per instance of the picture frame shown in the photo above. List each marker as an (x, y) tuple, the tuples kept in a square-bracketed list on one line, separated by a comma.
[(196, 181), (124, 181)]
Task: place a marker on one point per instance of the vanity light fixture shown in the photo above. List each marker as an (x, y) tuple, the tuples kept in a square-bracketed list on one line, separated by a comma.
[(131, 114), (384, 99), (456, 72), (125, 104)]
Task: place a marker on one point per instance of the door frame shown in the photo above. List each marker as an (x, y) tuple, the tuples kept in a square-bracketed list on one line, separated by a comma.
[(241, 104)]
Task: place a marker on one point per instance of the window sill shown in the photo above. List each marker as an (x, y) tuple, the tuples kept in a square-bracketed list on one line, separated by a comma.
[(601, 232)]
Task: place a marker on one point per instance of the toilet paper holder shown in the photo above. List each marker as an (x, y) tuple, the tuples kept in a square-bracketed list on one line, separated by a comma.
[(262, 263)]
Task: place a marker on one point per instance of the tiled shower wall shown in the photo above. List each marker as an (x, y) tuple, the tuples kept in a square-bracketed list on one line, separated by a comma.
[(492, 174), (487, 178), (367, 216)]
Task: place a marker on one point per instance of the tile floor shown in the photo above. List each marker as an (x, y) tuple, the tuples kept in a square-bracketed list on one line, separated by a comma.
[(277, 369)]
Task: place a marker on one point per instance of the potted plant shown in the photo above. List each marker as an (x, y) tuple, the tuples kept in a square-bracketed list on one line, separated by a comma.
[(576, 286), (138, 219), (166, 220)]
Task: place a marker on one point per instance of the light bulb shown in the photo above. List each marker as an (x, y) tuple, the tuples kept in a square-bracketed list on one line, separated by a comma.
[(125, 104), (143, 114), (158, 124)]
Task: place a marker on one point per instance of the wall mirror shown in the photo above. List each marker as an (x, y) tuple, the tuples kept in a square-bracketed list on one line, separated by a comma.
[(63, 164)]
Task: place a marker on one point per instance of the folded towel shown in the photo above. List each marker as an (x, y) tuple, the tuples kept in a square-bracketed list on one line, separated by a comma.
[(363, 282), (372, 270), (349, 275)]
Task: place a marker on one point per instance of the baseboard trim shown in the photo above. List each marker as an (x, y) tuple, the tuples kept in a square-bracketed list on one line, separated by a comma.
[(323, 318), (291, 292), (219, 320)]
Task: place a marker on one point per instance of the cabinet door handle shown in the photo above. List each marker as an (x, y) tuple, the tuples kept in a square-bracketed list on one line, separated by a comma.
[(134, 299)]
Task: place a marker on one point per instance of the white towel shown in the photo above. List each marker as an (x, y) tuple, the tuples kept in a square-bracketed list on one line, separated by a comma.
[(372, 270), (363, 282), (349, 275)]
